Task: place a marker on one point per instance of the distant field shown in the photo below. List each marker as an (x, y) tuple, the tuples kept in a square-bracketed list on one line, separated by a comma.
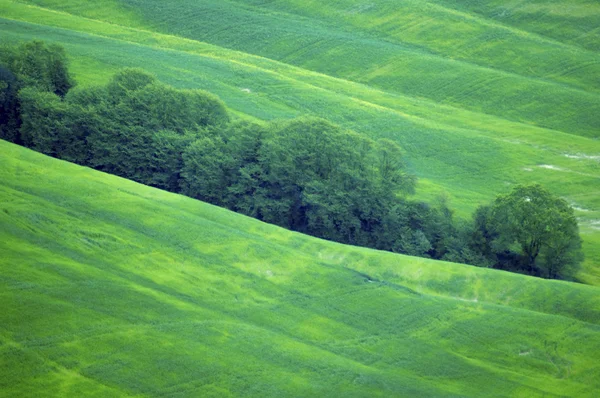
[(111, 288), (453, 145), (416, 48)]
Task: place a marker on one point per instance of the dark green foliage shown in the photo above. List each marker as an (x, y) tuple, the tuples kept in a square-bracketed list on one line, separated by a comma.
[(306, 162), (43, 68), (442, 230), (543, 228), (391, 168), (529, 230), (134, 127), (80, 124), (425, 231), (138, 99), (9, 115), (304, 174), (153, 158), (43, 117), (482, 233), (128, 81), (118, 149), (89, 97), (403, 229), (205, 172), (158, 107), (460, 247), (244, 167), (164, 163), (131, 143), (337, 184), (39, 65)]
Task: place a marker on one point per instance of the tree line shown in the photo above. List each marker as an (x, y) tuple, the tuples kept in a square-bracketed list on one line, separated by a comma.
[(304, 174)]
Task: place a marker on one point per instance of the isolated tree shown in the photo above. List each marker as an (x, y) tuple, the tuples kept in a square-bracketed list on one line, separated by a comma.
[(541, 228)]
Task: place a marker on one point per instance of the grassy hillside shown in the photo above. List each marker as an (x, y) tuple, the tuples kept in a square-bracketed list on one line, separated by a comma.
[(111, 288), (452, 146), (460, 59)]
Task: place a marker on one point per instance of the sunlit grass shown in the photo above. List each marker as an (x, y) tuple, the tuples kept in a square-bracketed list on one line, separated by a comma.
[(111, 288)]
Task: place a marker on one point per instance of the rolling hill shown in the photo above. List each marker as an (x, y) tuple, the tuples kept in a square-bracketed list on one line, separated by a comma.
[(481, 95), (112, 288)]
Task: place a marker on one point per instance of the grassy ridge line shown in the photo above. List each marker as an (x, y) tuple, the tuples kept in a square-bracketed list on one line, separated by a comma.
[(546, 149), (391, 22), (484, 90), (178, 296), (220, 316), (576, 20)]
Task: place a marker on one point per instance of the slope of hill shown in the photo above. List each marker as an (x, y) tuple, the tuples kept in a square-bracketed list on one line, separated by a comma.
[(111, 288), (453, 146), (416, 48)]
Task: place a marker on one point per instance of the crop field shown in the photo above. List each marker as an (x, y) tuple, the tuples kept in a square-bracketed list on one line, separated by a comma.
[(112, 288), (480, 96)]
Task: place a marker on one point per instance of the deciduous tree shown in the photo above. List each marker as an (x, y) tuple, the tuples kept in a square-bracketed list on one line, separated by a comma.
[(541, 228)]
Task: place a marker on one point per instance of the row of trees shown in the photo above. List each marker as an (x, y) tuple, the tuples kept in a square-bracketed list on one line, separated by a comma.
[(304, 174)]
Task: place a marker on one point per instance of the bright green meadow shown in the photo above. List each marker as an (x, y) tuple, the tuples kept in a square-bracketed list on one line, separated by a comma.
[(481, 95), (111, 288)]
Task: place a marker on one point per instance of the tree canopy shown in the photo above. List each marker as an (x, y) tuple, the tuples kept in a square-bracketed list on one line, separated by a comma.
[(40, 65), (540, 228)]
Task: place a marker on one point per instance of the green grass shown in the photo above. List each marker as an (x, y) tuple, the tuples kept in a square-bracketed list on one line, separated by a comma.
[(460, 59), (111, 288), (468, 154)]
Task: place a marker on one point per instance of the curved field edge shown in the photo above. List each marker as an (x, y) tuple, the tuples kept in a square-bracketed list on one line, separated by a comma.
[(112, 288), (444, 144)]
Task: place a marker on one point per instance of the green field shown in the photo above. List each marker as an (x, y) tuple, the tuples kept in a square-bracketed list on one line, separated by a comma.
[(112, 288), (480, 95)]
